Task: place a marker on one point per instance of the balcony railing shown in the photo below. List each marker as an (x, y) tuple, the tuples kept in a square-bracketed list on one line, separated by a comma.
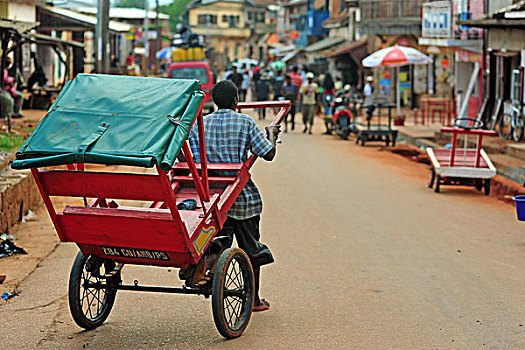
[(383, 9)]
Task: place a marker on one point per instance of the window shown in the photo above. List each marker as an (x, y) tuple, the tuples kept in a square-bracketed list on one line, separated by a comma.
[(207, 19), (190, 73), (224, 19), (260, 17), (234, 21)]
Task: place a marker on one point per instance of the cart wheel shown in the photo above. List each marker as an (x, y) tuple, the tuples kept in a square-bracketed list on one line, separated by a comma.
[(394, 141), (438, 183), (89, 306), (431, 178), (486, 186), (357, 140), (387, 141), (363, 141), (232, 293)]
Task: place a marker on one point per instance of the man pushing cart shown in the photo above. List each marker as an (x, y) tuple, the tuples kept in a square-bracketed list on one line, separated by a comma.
[(194, 206)]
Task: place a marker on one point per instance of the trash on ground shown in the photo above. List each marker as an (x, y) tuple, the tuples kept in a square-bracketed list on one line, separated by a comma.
[(8, 247), (7, 295), (30, 216)]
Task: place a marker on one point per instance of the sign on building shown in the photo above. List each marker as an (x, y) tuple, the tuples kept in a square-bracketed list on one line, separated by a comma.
[(437, 18)]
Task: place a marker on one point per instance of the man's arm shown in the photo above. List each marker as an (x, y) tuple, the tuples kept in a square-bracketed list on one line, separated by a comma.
[(273, 133), (261, 145)]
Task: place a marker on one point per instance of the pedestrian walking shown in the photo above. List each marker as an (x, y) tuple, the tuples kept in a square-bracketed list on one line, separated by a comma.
[(308, 92), (327, 98), (278, 82), (368, 102), (290, 91), (262, 93), (236, 77), (245, 85)]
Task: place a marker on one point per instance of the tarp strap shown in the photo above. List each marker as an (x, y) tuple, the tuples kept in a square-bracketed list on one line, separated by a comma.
[(91, 139), (177, 122)]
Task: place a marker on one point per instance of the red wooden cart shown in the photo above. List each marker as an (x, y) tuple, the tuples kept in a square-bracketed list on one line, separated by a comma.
[(462, 166), (110, 235)]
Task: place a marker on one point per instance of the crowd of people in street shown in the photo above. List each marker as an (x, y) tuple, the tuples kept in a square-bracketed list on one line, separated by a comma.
[(310, 95)]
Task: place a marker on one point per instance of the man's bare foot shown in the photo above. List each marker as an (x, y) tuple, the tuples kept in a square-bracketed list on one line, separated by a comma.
[(260, 305)]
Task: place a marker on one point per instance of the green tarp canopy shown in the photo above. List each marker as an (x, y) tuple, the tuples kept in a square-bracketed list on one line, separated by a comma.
[(118, 120)]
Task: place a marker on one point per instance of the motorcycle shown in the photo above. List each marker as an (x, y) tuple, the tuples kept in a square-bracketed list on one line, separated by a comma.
[(342, 120)]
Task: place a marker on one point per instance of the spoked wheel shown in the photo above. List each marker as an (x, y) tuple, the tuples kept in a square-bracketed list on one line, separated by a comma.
[(232, 293), (90, 306), (431, 178), (505, 126), (517, 132)]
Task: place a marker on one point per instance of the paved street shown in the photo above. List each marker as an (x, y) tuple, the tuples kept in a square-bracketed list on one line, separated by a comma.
[(367, 257)]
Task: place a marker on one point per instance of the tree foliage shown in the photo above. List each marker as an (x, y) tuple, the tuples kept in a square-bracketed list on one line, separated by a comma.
[(176, 9), (130, 3)]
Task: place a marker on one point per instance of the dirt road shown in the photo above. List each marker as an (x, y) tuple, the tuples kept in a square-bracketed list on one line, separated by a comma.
[(367, 257)]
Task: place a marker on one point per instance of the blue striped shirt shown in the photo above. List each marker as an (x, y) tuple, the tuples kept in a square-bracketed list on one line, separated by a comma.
[(229, 137)]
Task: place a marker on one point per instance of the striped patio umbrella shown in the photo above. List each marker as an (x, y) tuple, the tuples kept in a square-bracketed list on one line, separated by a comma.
[(395, 56)]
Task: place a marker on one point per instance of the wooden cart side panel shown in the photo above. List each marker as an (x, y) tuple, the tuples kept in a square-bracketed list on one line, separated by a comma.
[(102, 185), (466, 172), (433, 159), (101, 226), (485, 156)]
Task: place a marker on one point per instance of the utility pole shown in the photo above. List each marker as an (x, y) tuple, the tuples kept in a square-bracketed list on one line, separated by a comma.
[(102, 37), (158, 41), (146, 39)]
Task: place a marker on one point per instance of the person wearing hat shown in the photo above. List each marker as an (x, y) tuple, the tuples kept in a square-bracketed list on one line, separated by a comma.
[(368, 91), (369, 87), (308, 91)]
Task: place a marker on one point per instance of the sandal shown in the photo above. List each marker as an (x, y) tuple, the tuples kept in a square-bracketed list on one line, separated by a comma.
[(263, 306)]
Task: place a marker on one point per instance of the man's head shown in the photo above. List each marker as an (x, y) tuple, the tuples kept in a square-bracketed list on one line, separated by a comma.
[(234, 69), (370, 79), (294, 69), (310, 76), (225, 95), (279, 72)]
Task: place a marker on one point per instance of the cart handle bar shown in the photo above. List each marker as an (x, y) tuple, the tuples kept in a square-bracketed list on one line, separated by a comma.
[(283, 105), (466, 131)]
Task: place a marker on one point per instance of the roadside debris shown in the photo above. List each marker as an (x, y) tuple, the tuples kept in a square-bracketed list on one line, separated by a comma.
[(8, 247), (30, 216), (7, 295)]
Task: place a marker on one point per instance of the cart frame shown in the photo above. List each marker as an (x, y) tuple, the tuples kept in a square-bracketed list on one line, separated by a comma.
[(461, 166)]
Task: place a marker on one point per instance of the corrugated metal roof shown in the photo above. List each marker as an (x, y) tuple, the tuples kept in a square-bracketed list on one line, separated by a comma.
[(323, 44), (126, 13), (88, 19)]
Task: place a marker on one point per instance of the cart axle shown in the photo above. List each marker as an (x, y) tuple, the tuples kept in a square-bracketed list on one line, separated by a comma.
[(138, 288)]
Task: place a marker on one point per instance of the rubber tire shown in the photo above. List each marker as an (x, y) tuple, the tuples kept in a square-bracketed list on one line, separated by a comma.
[(438, 183), (387, 141), (218, 288), (517, 132), (479, 184), (505, 126), (486, 187), (431, 178), (74, 297)]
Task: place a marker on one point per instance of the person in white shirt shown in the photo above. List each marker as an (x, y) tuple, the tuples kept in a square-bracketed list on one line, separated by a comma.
[(368, 103), (369, 88)]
